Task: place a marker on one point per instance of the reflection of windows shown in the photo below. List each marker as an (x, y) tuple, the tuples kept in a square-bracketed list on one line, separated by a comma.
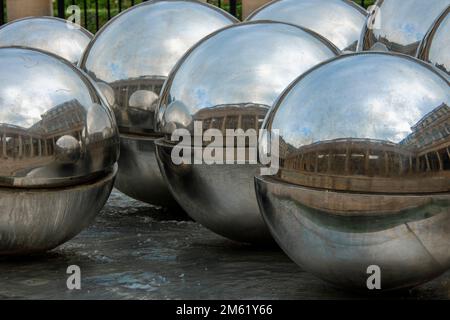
[(206, 124), (369, 158), (216, 123), (232, 122), (248, 122), (374, 163)]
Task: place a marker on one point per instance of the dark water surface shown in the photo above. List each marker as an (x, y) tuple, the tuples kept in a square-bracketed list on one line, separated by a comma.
[(136, 251)]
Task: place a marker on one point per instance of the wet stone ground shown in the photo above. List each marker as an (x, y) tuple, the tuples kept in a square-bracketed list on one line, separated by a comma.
[(136, 251)]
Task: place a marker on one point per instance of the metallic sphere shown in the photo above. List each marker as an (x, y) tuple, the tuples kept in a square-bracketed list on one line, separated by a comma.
[(130, 58), (435, 48), (50, 34), (339, 21), (229, 80), (364, 175), (400, 26), (59, 146)]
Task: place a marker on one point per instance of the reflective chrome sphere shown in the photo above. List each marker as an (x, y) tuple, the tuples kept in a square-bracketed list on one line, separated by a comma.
[(49, 34), (59, 146), (400, 26), (339, 21), (364, 175), (131, 58), (435, 48), (229, 80)]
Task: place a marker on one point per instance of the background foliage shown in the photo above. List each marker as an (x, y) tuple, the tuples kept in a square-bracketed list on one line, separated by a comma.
[(90, 20)]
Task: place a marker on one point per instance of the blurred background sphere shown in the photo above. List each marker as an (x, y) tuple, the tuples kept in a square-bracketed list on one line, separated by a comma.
[(228, 81), (130, 58), (339, 21), (50, 34), (435, 48), (364, 175), (59, 146), (400, 26)]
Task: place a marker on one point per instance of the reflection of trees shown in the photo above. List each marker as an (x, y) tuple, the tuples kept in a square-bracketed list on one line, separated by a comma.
[(425, 152)]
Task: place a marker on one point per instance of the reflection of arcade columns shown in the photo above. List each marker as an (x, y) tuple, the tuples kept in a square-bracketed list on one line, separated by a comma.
[(26, 8), (13, 145)]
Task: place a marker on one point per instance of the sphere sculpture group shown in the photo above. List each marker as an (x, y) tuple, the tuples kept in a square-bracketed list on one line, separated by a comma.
[(130, 58), (229, 81), (364, 138), (58, 151)]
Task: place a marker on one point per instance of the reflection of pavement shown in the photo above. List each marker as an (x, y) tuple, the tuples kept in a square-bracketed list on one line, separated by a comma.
[(135, 251), (15, 166)]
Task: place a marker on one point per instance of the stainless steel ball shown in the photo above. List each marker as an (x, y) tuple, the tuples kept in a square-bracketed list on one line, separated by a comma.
[(131, 58), (399, 26), (435, 48), (364, 178), (51, 34), (59, 146), (229, 80), (339, 21)]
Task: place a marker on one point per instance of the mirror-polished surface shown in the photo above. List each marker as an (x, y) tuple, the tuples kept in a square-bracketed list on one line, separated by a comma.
[(59, 146), (138, 154), (364, 171), (130, 58), (435, 48), (50, 34), (37, 220), (339, 21), (134, 53), (55, 127), (400, 26), (229, 80)]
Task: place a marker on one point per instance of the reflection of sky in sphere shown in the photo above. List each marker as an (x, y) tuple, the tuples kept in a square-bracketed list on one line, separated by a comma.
[(149, 39), (407, 22), (32, 83), (367, 96), (49, 34), (246, 64), (336, 20), (440, 47)]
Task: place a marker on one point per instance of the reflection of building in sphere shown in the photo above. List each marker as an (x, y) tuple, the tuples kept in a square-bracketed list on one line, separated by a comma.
[(232, 116), (40, 139), (125, 88), (366, 165), (129, 115)]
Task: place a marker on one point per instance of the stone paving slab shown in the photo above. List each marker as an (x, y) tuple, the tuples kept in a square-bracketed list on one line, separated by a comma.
[(136, 251)]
